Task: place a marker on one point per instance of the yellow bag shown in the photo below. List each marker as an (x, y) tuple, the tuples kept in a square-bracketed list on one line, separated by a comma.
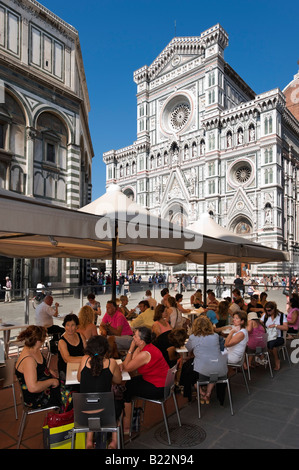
[(60, 437)]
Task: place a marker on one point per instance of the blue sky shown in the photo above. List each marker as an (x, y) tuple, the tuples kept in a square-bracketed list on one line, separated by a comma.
[(119, 36)]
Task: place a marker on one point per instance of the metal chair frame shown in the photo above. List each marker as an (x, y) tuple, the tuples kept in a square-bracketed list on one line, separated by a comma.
[(30, 411), (240, 365), (169, 390), (259, 351), (215, 379), (284, 349), (7, 374), (96, 423)]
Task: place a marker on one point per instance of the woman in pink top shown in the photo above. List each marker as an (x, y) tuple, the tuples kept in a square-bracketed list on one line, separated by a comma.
[(293, 315), (256, 335), (161, 323), (152, 368)]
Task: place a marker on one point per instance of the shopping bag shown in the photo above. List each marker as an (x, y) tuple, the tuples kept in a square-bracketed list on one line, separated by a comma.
[(60, 437)]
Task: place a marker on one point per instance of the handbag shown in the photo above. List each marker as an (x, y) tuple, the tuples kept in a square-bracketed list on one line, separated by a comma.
[(272, 334), (53, 420), (57, 431)]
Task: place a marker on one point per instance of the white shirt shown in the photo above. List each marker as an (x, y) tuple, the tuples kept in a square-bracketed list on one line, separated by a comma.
[(152, 302), (276, 322), (44, 315), (235, 353)]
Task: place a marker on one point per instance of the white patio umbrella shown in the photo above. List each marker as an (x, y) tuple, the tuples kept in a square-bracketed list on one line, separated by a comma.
[(111, 227), (249, 251)]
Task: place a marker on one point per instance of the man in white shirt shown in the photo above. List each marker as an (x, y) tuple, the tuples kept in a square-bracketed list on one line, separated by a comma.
[(8, 287), (44, 314)]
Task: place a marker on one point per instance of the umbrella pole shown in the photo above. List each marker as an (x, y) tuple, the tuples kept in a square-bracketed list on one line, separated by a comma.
[(114, 263), (205, 279)]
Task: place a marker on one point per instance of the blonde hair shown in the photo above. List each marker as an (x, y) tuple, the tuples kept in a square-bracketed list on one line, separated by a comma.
[(202, 326), (86, 316)]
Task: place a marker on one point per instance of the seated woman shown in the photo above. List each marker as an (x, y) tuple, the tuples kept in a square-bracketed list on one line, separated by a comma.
[(40, 387), (97, 373), (223, 315), (95, 305), (237, 338), (196, 299), (161, 323), (168, 342), (87, 327), (293, 316), (205, 345), (175, 316), (275, 323), (70, 346), (179, 299), (256, 335), (152, 368)]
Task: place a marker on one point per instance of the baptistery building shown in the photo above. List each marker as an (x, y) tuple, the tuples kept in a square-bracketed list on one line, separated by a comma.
[(207, 143), (45, 144)]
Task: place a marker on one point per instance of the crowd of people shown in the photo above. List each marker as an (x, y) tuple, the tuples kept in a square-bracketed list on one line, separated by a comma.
[(146, 338)]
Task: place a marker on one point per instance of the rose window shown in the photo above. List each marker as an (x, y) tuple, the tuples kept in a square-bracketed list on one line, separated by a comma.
[(242, 174), (179, 116)]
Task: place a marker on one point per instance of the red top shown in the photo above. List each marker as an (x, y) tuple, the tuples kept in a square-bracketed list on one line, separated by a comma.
[(155, 371)]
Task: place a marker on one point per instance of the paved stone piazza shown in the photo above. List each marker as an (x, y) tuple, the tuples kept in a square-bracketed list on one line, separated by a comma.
[(15, 311)]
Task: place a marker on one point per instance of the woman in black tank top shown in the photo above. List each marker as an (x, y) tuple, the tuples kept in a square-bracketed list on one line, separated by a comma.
[(97, 374), (39, 387)]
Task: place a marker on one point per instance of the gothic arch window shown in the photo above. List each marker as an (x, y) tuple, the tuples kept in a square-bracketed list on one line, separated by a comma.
[(202, 147), (268, 175), (268, 125), (133, 168), (165, 158), (127, 169), (159, 161), (121, 171), (268, 155)]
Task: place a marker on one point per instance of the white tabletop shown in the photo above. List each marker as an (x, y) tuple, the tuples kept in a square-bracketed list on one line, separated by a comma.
[(72, 370)]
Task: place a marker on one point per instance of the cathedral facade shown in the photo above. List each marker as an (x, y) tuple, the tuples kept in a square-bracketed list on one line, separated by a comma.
[(206, 142), (45, 145)]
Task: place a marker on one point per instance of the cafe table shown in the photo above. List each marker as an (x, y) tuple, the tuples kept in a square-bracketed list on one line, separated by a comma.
[(6, 330), (72, 370)]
